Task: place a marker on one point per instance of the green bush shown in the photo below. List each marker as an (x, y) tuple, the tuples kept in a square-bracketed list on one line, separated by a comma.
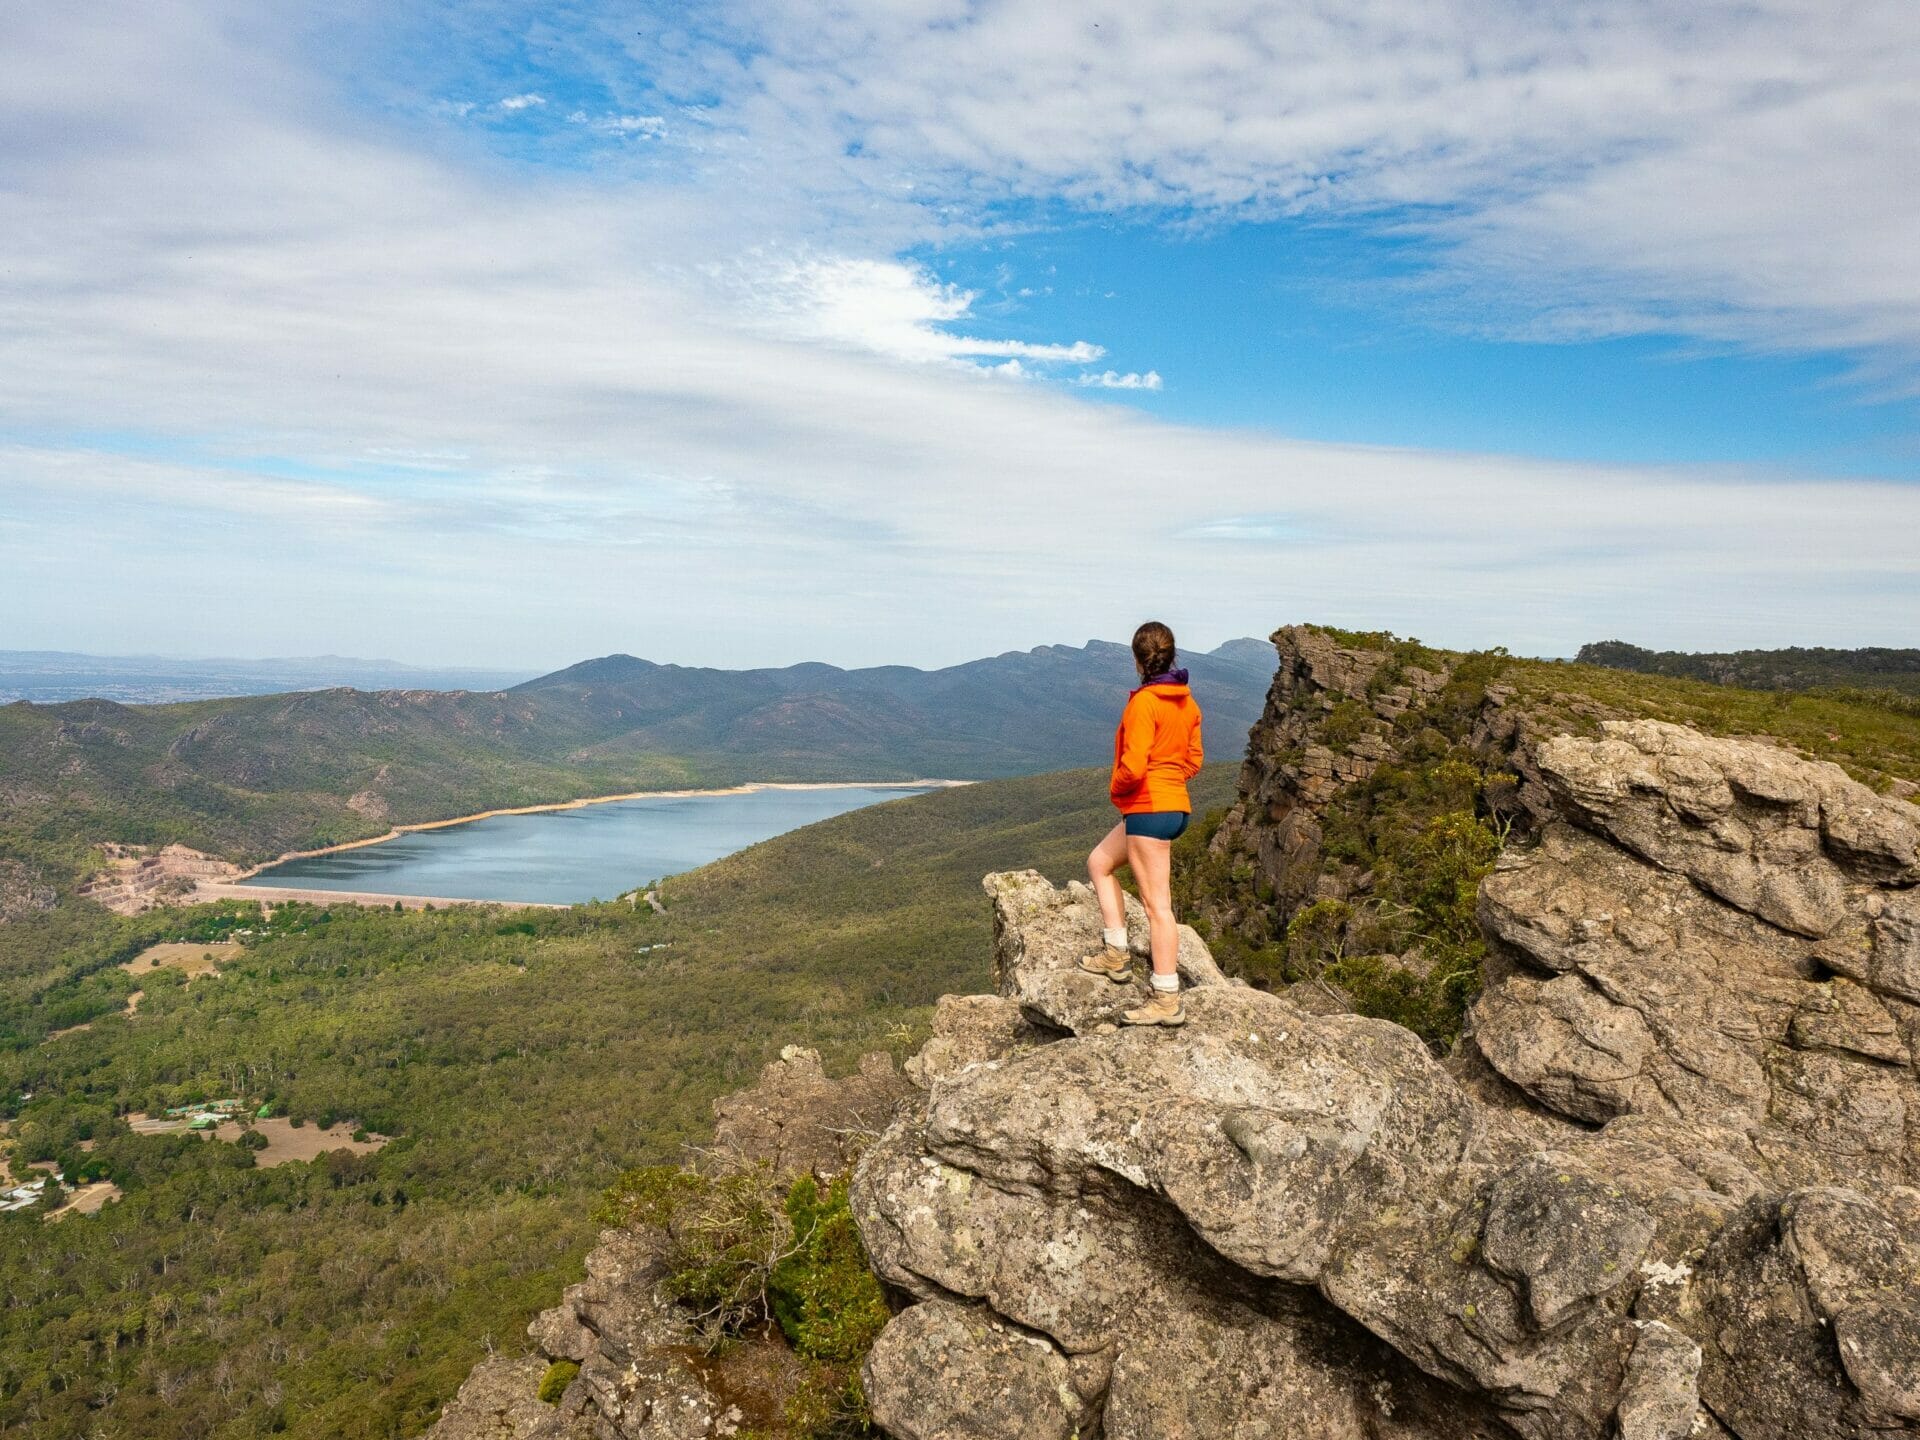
[(735, 1258), (823, 1292), (724, 1235), (554, 1383), (1348, 721)]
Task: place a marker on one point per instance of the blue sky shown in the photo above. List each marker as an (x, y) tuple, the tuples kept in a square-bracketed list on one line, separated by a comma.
[(753, 333)]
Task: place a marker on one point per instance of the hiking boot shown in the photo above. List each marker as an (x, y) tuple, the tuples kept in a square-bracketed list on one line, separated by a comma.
[(1162, 1008), (1114, 963)]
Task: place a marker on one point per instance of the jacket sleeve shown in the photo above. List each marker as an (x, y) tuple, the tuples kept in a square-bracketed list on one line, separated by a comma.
[(1130, 763), (1196, 753)]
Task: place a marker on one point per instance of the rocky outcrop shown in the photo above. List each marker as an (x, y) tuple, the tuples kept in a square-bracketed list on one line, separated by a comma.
[(801, 1122), (1664, 1187), (642, 1374), (24, 891), (1327, 725), (136, 878), (1340, 709)]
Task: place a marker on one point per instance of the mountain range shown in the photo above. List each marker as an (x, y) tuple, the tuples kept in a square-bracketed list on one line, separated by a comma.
[(51, 676), (254, 777)]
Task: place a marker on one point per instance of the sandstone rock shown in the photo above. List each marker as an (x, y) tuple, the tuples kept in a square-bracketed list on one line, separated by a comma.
[(1566, 1044), (1284, 1191), (1290, 776), (1039, 935), (1879, 1344), (1563, 1237), (1661, 1397), (970, 1030), (1844, 1017), (951, 1372), (498, 1401), (801, 1122), (1764, 830)]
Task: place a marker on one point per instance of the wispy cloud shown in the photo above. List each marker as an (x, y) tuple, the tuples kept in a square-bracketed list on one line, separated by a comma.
[(1722, 169), (522, 102), (649, 127), (1113, 380)]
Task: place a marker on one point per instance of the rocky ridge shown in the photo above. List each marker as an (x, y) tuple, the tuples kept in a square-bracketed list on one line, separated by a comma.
[(1663, 1186)]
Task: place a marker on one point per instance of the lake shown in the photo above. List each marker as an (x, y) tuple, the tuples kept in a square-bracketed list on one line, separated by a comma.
[(594, 852)]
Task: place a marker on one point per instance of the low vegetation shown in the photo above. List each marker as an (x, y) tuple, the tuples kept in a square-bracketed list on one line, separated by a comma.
[(1874, 668), (745, 1250)]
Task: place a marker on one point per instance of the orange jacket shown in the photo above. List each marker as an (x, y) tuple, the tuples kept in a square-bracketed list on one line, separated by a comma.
[(1155, 749)]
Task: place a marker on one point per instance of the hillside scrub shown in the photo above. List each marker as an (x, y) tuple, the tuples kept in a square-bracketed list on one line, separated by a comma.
[(1889, 672)]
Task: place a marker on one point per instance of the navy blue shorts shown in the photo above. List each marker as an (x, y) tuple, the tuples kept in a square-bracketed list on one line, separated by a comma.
[(1158, 824)]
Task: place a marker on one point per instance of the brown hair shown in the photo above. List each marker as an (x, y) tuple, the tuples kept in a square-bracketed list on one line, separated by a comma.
[(1153, 648)]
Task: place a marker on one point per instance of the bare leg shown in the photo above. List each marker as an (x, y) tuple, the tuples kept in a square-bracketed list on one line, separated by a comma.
[(1108, 856), (1152, 862)]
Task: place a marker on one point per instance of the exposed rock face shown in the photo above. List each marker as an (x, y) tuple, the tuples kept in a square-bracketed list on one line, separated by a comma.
[(1294, 766), (1335, 715), (801, 1122), (24, 891), (641, 1377), (498, 1401), (1664, 1187), (137, 879)]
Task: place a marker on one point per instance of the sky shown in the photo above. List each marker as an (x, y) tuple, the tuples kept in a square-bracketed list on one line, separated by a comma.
[(909, 331)]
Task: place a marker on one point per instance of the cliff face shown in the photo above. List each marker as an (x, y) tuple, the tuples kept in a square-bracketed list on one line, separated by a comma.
[(1663, 1187)]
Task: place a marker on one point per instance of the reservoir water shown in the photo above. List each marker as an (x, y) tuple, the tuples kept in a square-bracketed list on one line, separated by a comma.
[(594, 852)]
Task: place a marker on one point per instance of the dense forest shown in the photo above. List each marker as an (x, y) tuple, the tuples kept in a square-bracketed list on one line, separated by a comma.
[(519, 1060)]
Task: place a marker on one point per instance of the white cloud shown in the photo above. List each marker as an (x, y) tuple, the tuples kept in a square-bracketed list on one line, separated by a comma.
[(650, 127), (1722, 168), (647, 434), (882, 306), (522, 102), (637, 124), (1113, 380)]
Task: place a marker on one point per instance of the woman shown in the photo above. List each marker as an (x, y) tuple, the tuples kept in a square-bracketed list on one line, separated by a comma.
[(1156, 748)]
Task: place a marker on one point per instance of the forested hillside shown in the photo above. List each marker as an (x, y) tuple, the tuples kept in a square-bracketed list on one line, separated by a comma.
[(518, 1058), (251, 779)]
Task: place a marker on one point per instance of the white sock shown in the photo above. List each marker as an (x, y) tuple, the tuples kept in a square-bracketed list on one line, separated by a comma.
[(1167, 984), (1116, 937)]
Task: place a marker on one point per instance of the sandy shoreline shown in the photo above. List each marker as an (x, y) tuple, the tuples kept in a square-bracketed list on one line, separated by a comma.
[(231, 887)]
